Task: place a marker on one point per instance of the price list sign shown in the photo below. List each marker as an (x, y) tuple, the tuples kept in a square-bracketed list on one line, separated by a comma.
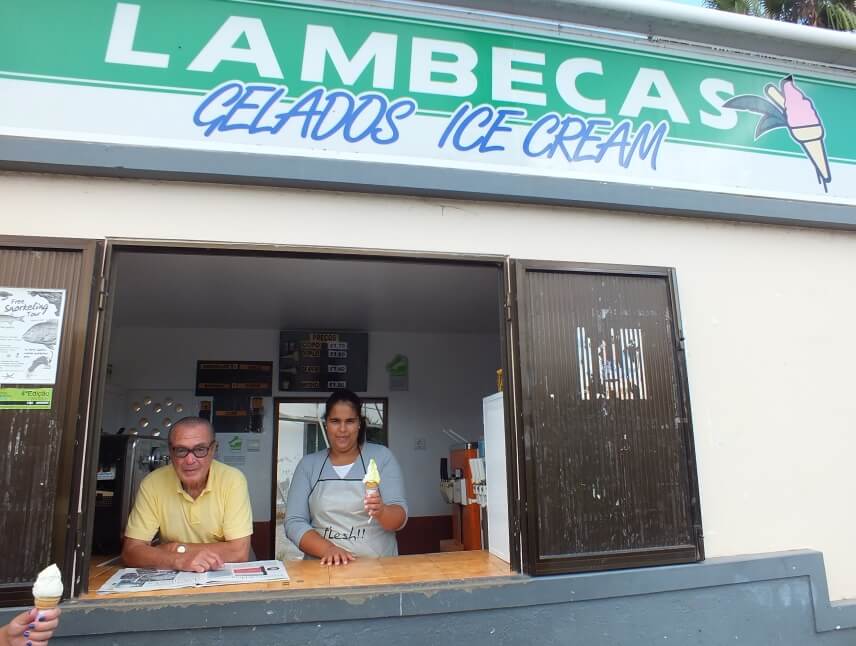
[(323, 361)]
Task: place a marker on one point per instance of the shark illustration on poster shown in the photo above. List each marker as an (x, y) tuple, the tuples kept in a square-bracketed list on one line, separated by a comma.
[(786, 106)]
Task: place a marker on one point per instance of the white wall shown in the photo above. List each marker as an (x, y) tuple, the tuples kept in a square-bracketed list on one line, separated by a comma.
[(449, 375), (768, 313), (163, 360)]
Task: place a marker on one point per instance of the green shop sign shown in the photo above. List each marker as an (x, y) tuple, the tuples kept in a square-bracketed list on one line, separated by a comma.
[(328, 82)]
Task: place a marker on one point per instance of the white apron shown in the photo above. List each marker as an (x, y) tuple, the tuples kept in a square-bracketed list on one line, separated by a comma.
[(337, 513)]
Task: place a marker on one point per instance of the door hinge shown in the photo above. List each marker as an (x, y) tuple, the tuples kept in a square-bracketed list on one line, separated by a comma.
[(102, 293), (508, 308)]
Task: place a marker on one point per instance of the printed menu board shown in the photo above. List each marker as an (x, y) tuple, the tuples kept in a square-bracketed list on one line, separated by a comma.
[(323, 361)]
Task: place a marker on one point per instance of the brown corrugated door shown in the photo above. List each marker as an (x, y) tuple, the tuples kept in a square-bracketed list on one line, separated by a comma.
[(38, 475), (610, 477)]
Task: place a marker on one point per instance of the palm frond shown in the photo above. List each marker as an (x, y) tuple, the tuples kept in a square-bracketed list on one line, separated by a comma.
[(769, 122), (838, 16), (752, 103), (747, 7)]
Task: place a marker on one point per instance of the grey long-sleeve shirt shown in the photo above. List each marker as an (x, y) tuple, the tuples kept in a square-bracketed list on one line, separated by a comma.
[(298, 520)]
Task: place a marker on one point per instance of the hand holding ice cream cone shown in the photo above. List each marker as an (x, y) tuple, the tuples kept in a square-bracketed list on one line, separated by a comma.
[(31, 627), (37, 625)]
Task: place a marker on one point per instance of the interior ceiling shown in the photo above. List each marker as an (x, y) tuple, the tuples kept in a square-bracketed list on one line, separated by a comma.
[(264, 292)]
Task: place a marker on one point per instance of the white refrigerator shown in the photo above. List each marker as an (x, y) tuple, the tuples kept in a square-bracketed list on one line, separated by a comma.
[(495, 474)]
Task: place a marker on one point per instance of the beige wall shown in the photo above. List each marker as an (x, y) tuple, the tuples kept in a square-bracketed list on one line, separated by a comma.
[(769, 314)]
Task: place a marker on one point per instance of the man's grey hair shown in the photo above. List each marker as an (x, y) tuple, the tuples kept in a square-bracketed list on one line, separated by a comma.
[(192, 421)]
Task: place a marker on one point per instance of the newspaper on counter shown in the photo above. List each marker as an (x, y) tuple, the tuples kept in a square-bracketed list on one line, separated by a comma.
[(145, 579)]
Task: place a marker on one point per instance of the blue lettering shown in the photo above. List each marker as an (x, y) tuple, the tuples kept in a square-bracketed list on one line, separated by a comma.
[(398, 111), (243, 103), (587, 136), (274, 98), (644, 148), (306, 107), (561, 132), (481, 118), (485, 110), (332, 98), (618, 138), (366, 100), (497, 126), (453, 123), (321, 114), (236, 90), (553, 120), (562, 137)]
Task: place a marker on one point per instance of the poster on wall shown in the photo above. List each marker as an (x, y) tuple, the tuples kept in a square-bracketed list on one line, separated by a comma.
[(30, 325), (323, 361), (399, 371), (25, 398)]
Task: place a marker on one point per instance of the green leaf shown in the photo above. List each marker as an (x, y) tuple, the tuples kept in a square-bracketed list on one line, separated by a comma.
[(752, 103), (769, 122)]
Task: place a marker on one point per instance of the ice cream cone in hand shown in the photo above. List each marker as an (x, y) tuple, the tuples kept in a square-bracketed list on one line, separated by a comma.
[(372, 479), (47, 590)]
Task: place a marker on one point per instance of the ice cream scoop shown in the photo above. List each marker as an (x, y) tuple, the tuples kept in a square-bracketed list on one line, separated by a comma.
[(47, 590)]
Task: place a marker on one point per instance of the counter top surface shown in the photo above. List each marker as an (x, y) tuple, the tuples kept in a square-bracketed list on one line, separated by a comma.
[(307, 575)]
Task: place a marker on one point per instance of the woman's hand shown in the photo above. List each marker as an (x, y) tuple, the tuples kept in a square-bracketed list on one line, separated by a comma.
[(373, 503), (34, 627), (335, 555)]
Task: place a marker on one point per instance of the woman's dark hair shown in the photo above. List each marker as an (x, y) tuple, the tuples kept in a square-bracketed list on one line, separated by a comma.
[(347, 397)]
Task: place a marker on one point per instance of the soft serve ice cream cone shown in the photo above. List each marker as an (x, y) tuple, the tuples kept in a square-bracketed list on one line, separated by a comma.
[(47, 590), (372, 477), (805, 127)]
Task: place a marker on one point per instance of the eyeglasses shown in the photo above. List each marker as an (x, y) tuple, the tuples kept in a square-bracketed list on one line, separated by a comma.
[(199, 451)]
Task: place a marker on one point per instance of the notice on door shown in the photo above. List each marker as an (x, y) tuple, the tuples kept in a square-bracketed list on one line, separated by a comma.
[(30, 329), (25, 398)]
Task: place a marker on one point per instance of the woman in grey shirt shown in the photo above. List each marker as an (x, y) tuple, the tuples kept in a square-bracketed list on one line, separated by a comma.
[(329, 513)]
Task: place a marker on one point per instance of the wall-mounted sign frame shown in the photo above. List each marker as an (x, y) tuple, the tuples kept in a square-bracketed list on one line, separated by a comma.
[(323, 361), (441, 91)]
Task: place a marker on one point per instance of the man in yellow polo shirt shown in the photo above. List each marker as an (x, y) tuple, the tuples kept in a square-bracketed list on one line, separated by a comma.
[(200, 506)]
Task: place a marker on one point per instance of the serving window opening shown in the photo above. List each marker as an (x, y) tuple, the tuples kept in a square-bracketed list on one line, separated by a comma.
[(427, 344)]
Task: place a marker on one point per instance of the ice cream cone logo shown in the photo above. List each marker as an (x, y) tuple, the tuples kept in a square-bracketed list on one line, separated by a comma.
[(786, 106)]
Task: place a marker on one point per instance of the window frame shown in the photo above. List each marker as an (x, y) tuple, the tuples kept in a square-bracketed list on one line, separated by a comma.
[(98, 336)]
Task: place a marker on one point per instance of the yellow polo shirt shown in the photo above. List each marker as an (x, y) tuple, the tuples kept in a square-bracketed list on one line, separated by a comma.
[(222, 511)]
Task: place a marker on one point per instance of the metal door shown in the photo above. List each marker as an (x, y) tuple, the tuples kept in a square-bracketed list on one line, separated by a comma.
[(38, 481), (610, 475)]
